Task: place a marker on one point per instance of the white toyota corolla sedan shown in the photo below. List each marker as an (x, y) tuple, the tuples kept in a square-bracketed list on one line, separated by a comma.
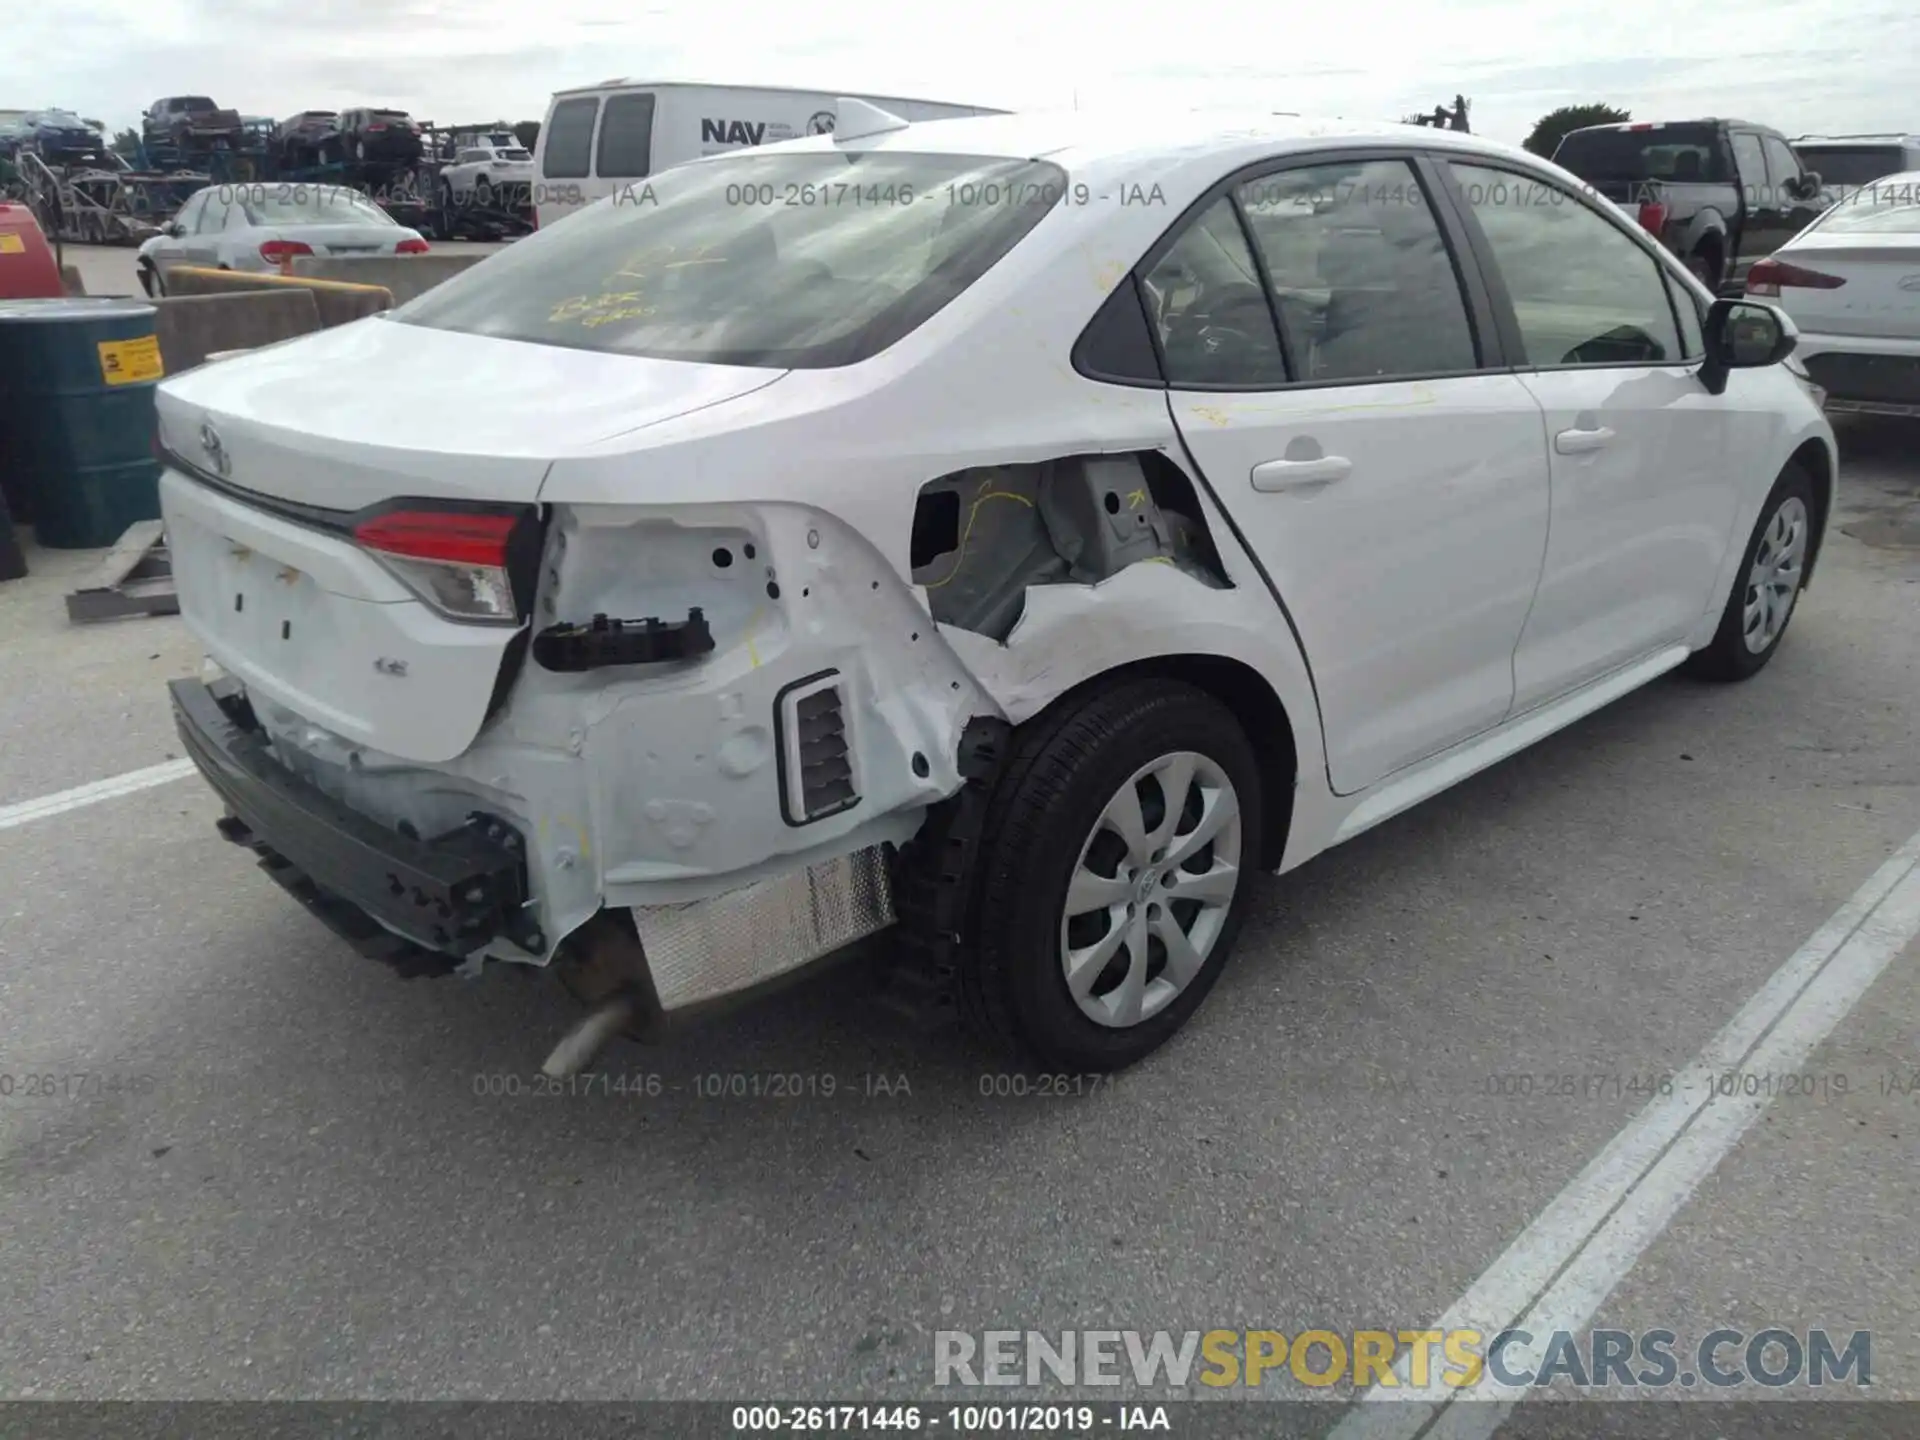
[(1014, 533)]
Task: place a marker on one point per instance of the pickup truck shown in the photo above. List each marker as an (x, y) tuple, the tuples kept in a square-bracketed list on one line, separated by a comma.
[(1720, 194), (192, 120)]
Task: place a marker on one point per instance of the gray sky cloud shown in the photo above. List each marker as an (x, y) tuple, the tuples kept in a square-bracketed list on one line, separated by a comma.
[(1803, 65)]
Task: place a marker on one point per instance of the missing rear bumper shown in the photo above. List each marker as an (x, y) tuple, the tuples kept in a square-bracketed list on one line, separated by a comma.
[(446, 896)]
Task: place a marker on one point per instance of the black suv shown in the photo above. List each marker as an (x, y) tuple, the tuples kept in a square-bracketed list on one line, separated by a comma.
[(1720, 194)]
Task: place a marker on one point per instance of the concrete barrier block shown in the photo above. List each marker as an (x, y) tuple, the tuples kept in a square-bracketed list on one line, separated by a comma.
[(192, 329), (337, 302), (404, 275)]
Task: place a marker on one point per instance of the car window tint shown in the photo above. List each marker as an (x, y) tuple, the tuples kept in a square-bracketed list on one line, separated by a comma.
[(570, 139), (1781, 166), (1208, 308), (626, 137), (1364, 284), (1747, 159), (1583, 291)]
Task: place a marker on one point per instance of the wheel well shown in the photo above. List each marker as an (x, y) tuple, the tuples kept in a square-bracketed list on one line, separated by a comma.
[(1814, 458), (1246, 693)]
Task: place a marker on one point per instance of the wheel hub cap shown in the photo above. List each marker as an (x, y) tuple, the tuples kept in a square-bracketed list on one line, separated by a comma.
[(1773, 582), (1150, 894)]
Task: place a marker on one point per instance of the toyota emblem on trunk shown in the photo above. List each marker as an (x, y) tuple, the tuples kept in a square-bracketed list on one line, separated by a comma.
[(216, 452)]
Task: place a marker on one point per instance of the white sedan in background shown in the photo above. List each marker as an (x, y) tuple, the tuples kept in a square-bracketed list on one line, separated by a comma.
[(261, 226), (1851, 282)]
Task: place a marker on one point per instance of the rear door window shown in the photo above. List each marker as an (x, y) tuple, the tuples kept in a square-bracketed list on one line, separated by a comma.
[(626, 137), (1782, 168), (1750, 161), (570, 138), (1209, 310), (1363, 281)]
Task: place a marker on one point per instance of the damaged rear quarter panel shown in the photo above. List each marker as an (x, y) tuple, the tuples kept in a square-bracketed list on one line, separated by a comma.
[(682, 758), (986, 382)]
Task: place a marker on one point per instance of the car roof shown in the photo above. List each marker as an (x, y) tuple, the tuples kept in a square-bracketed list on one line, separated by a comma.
[(1082, 137)]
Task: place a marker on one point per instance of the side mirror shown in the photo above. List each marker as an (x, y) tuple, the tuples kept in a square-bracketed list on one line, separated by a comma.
[(1744, 335), (1810, 184)]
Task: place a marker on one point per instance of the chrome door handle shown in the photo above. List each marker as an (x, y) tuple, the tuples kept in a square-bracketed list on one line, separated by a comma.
[(1579, 442), (1271, 475)]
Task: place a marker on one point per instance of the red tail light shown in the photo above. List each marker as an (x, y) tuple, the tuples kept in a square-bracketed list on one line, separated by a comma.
[(411, 247), (1653, 217), (278, 252), (455, 560), (1769, 277), (376, 125)]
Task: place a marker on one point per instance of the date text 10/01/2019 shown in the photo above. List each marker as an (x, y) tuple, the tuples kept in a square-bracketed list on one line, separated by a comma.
[(955, 1419)]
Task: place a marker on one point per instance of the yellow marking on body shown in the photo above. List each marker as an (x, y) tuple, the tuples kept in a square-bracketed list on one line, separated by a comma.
[(985, 494)]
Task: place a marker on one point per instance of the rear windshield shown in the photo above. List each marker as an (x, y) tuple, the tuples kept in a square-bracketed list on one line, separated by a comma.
[(195, 104), (389, 114), (1672, 152), (798, 261), (515, 153), (303, 205), (1851, 164), (1880, 207)]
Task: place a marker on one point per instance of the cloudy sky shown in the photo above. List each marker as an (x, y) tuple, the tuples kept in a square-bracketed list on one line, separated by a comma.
[(1802, 65)]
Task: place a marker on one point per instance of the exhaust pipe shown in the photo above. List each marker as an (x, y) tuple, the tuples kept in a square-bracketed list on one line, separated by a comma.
[(579, 1047)]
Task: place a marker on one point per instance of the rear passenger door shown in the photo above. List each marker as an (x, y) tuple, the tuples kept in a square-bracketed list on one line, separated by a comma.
[(1332, 372), (1644, 460)]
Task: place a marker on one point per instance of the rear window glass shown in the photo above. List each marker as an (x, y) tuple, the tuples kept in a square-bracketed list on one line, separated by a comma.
[(569, 139), (389, 114), (626, 137), (1852, 164), (301, 205), (194, 104), (1880, 207), (515, 153), (710, 262), (1672, 152)]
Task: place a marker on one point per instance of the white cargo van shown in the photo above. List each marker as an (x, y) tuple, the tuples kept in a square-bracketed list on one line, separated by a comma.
[(597, 138)]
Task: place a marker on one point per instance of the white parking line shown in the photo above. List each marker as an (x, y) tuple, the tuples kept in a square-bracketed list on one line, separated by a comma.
[(113, 787), (1555, 1276)]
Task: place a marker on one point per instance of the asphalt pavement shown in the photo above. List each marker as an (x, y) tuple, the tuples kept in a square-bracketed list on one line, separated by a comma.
[(288, 1174)]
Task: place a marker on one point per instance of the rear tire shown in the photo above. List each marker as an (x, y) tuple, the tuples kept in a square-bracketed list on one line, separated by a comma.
[(1062, 892), (150, 280), (1773, 571)]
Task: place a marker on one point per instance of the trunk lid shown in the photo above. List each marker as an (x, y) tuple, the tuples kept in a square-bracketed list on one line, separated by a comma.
[(374, 411), (1881, 297), (377, 409)]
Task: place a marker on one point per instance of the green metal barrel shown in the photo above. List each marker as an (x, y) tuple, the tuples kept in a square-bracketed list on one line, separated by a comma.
[(76, 417)]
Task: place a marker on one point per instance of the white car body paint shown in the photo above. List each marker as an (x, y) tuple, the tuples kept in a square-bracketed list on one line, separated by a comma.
[(1412, 583)]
